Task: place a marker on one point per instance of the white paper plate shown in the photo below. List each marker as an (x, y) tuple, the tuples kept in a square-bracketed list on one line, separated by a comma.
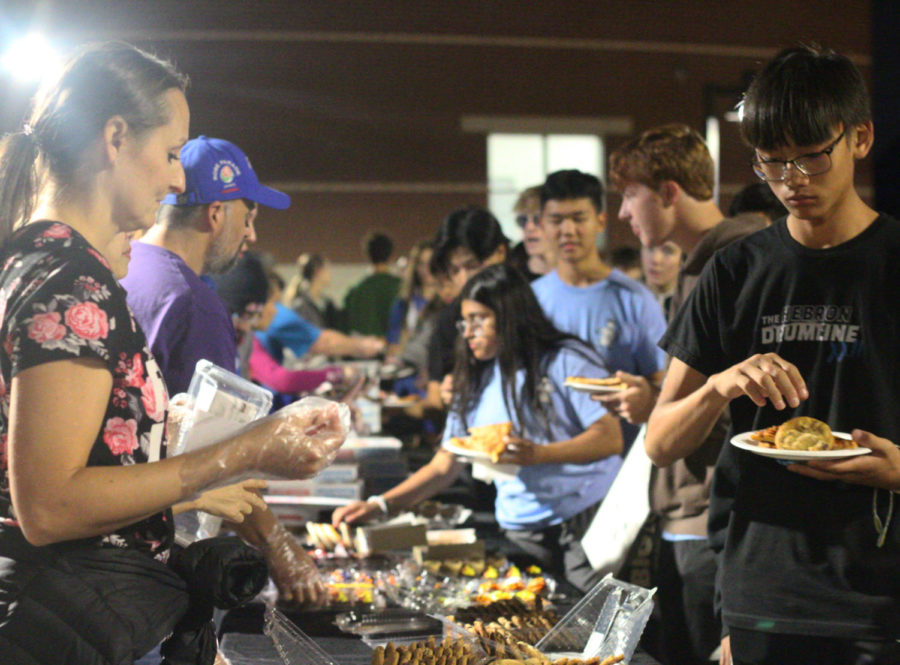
[(592, 388), (467, 452), (393, 402), (483, 468), (744, 442)]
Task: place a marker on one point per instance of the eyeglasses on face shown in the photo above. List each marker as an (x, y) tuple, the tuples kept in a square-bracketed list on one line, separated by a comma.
[(522, 219), (475, 323), (814, 163)]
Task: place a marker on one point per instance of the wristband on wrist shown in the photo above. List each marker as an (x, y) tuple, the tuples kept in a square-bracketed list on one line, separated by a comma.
[(379, 501)]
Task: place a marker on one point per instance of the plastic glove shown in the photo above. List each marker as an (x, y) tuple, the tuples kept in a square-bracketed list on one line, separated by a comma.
[(297, 441), (179, 418), (294, 573)]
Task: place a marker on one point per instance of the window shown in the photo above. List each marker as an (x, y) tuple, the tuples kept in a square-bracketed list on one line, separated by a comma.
[(518, 161)]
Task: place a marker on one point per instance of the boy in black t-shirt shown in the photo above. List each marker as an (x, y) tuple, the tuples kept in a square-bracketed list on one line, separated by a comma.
[(800, 319)]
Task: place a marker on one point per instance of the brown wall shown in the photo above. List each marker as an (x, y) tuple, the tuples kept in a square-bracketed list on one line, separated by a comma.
[(355, 108)]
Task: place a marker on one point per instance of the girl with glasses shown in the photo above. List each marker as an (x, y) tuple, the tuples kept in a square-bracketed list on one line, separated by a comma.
[(511, 365)]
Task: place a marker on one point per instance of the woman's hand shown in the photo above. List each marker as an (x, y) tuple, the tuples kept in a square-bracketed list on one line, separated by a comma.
[(296, 442), (762, 377), (357, 511), (447, 390), (879, 469), (231, 502), (294, 573), (520, 451)]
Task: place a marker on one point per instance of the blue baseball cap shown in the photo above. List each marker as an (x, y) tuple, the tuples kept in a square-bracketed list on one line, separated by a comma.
[(217, 170)]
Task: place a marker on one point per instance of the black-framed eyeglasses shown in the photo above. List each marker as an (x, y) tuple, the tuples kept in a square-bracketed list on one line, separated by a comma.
[(814, 163), (522, 219)]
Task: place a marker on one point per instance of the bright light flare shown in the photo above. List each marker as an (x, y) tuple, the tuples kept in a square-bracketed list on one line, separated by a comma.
[(30, 58)]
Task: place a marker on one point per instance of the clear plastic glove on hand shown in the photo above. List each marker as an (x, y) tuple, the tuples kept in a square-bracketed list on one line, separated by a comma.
[(297, 441), (179, 419), (294, 573)]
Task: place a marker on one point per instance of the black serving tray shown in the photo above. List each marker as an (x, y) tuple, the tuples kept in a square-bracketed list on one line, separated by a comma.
[(388, 623)]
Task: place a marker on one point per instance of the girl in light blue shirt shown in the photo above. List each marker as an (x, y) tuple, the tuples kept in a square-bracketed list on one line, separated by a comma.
[(511, 365)]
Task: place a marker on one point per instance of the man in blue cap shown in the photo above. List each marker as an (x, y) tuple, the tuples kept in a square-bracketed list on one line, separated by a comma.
[(198, 232), (203, 231)]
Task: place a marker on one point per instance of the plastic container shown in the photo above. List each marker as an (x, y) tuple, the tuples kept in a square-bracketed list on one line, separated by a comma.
[(222, 403), (293, 645), (608, 621), (382, 626)]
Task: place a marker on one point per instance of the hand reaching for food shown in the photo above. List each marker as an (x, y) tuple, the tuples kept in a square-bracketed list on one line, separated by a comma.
[(762, 377), (294, 573), (358, 511)]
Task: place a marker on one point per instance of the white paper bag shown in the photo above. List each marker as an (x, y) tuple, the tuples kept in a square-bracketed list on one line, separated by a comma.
[(622, 513)]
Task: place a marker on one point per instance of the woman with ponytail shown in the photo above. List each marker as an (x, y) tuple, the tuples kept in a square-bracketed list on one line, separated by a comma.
[(86, 494), (305, 292)]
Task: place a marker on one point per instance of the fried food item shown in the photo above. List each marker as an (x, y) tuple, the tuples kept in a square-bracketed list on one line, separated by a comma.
[(612, 660), (804, 433), (765, 437), (486, 439), (609, 382), (801, 433)]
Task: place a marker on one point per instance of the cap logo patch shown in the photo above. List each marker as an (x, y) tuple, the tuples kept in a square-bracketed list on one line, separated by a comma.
[(225, 171)]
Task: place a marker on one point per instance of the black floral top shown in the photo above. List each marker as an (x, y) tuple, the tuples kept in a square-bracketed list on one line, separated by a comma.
[(59, 300)]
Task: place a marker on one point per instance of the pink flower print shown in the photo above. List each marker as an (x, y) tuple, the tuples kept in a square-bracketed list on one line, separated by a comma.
[(134, 375), (57, 231), (154, 403), (102, 259), (45, 327), (87, 320), (90, 286), (120, 435)]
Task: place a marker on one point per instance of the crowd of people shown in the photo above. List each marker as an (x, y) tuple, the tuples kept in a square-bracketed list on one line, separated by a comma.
[(125, 261)]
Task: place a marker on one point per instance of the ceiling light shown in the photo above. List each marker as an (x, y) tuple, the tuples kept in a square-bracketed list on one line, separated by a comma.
[(30, 58)]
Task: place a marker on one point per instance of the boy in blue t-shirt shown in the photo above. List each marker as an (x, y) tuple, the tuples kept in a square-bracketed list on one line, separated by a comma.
[(585, 297)]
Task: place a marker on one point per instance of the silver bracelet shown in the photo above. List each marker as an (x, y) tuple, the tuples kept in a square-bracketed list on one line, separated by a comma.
[(379, 501)]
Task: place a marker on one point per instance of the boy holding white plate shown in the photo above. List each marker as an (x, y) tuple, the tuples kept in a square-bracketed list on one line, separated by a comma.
[(799, 319)]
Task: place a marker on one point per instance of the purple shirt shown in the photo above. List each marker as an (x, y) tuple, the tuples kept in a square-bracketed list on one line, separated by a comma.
[(183, 318)]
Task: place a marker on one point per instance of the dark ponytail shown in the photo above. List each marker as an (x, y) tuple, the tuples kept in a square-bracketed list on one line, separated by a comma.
[(69, 112), (18, 175)]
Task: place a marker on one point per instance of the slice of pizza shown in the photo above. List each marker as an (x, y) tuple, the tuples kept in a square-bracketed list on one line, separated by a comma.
[(765, 437), (609, 381), (490, 439), (843, 444)]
